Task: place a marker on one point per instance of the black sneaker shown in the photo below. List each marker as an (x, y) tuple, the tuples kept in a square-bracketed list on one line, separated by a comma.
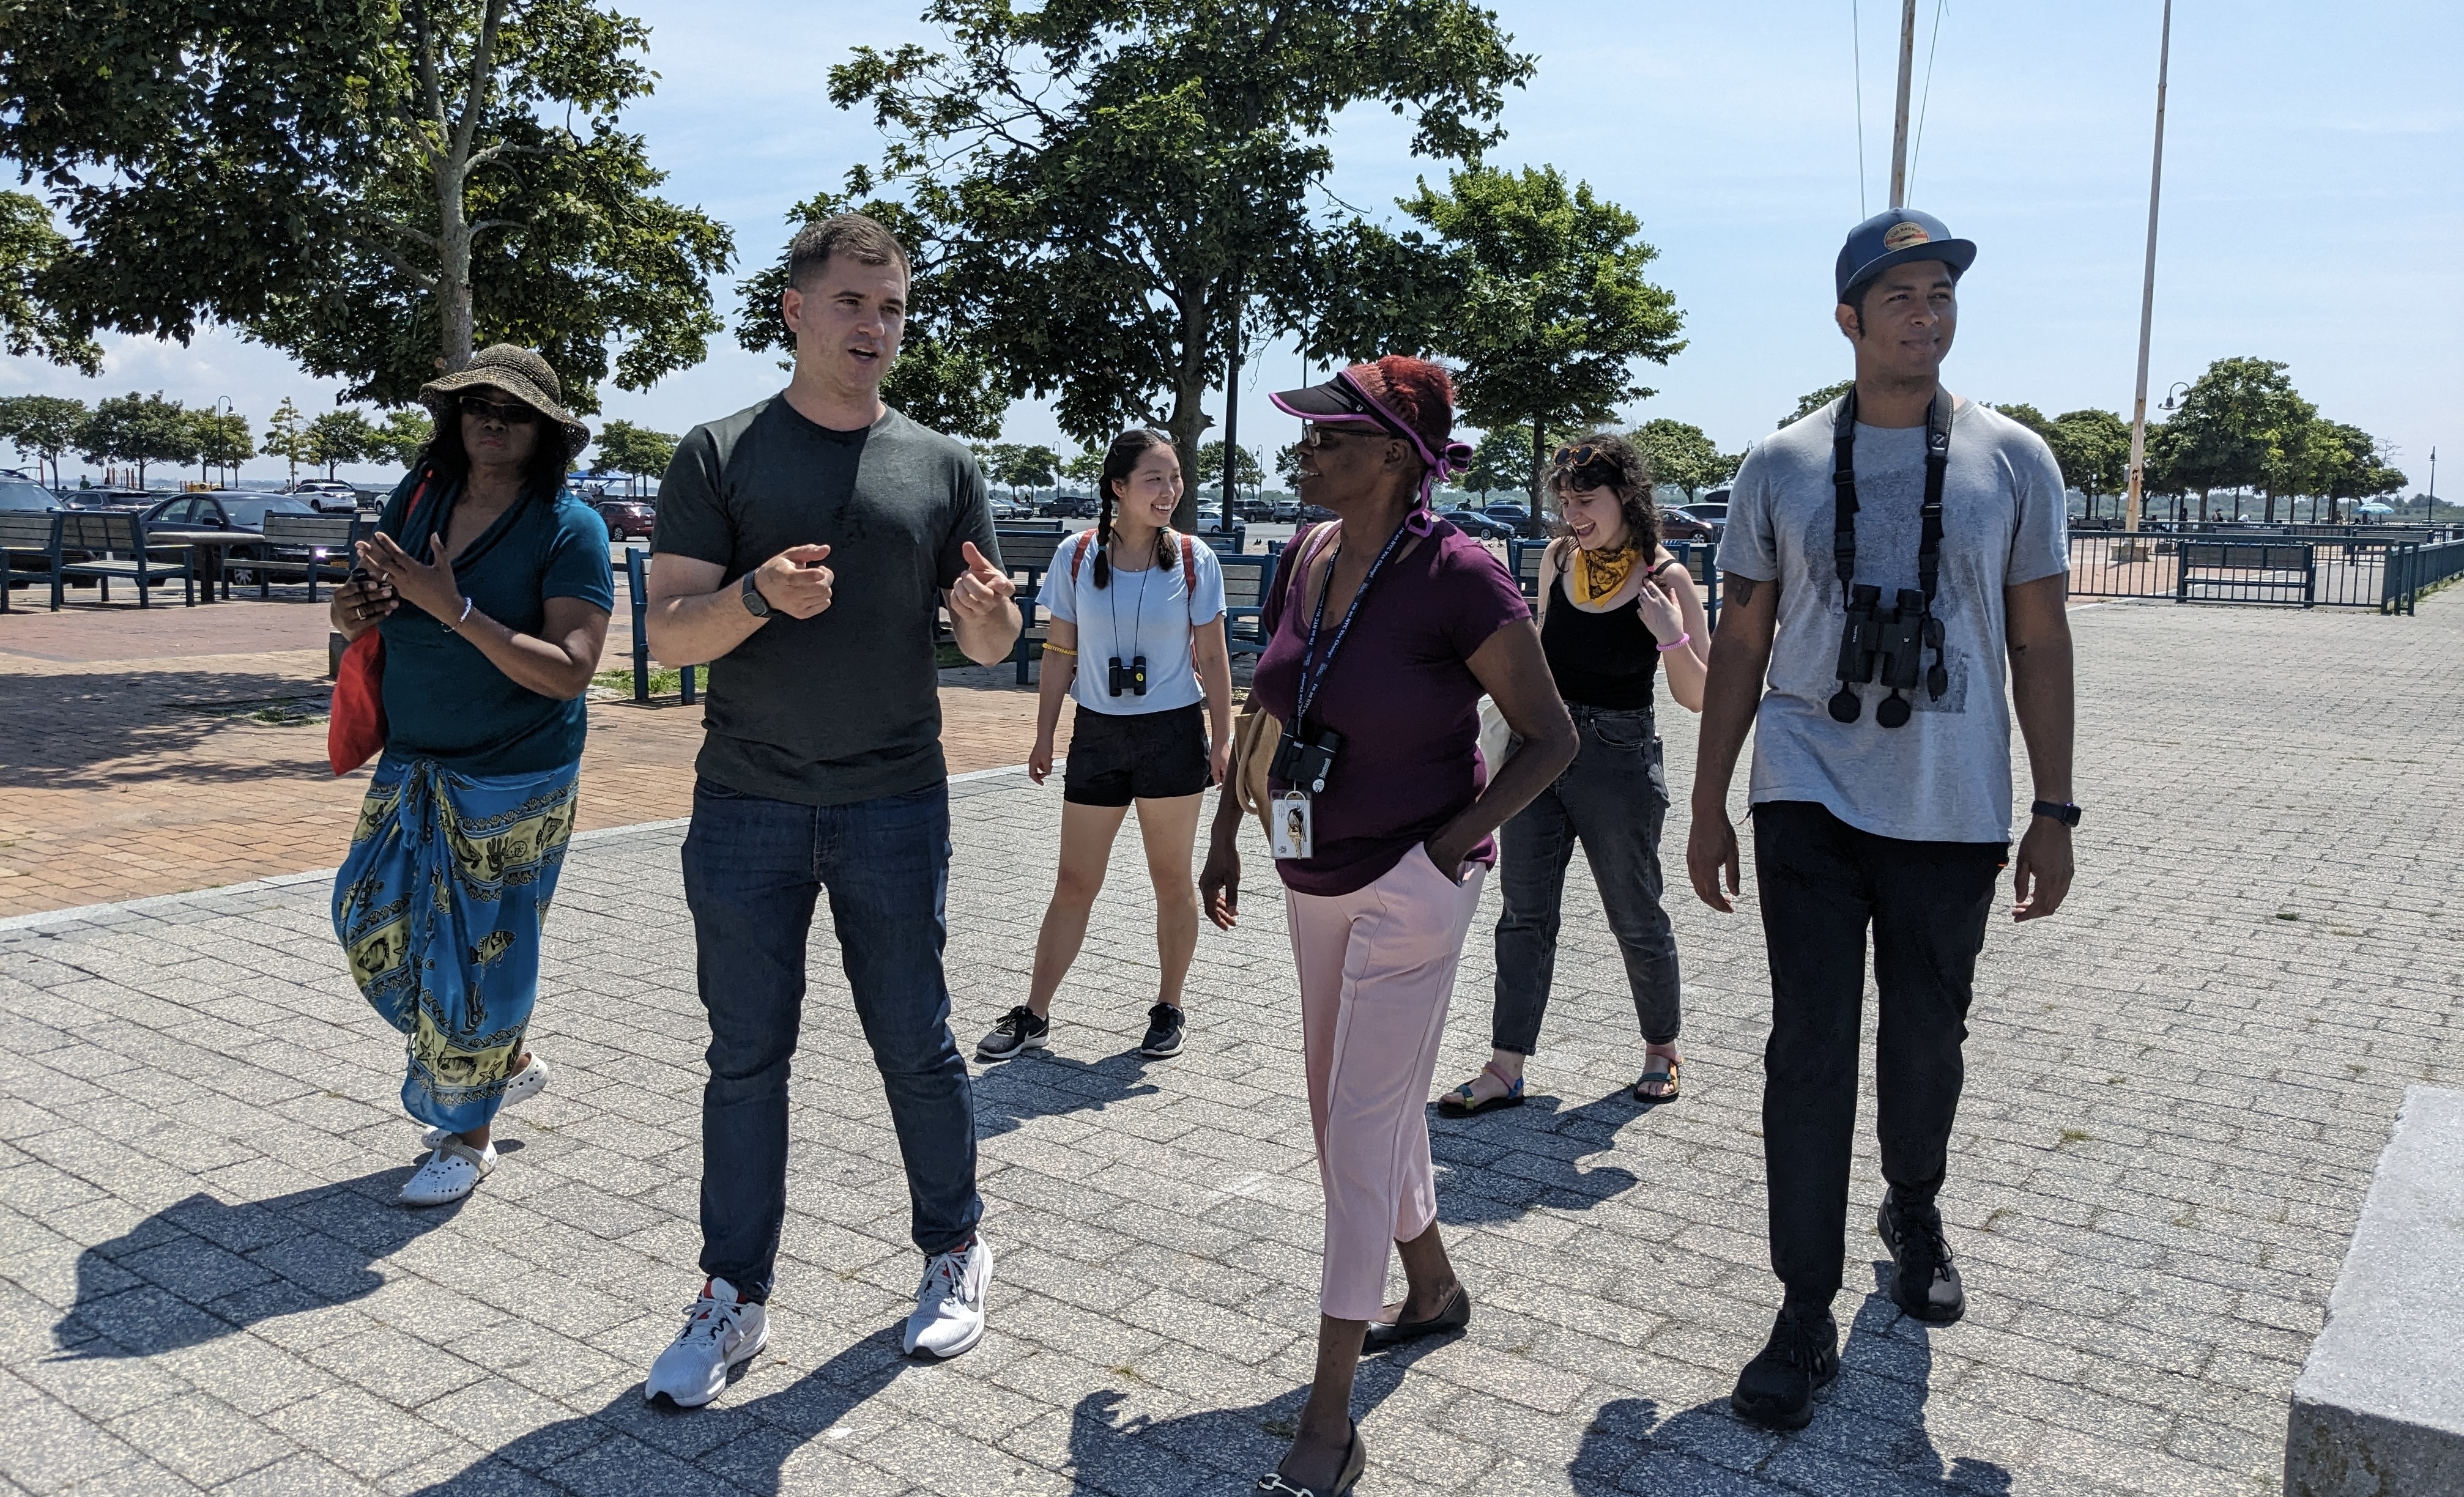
[(1018, 1029), (1802, 1358), (1164, 1024), (1927, 1284)]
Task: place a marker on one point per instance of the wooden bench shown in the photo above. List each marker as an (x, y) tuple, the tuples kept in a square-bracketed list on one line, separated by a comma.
[(329, 541), (2273, 571), (114, 543), (27, 534)]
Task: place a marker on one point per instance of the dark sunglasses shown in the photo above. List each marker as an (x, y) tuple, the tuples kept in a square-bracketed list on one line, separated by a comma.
[(1583, 456), (1313, 435), (486, 409)]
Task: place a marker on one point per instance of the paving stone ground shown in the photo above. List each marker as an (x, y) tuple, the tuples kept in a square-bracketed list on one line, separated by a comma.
[(2176, 1091)]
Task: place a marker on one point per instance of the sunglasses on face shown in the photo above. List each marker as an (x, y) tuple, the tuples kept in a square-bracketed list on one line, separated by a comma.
[(1313, 435), (486, 409)]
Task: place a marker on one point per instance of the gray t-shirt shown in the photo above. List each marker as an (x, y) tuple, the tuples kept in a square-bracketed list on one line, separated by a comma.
[(845, 706), (1946, 775)]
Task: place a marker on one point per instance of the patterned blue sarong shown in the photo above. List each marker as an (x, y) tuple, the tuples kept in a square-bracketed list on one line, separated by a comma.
[(439, 907)]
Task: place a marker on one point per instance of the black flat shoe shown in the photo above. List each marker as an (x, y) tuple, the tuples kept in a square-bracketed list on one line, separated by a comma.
[(1355, 1459), (1454, 1315)]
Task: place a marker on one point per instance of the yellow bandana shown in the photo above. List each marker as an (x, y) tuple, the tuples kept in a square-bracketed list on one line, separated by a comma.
[(1598, 575)]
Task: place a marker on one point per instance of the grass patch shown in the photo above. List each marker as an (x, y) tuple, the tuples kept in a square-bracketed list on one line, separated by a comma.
[(664, 682), (2286, 914), (1126, 1373), (2071, 1136), (271, 712)]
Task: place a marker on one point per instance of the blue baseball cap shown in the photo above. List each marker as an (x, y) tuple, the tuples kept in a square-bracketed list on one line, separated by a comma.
[(1895, 236)]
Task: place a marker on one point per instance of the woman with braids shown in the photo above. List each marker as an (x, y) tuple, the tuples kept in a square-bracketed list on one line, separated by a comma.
[(1384, 628), (1615, 606), (1136, 637), (489, 583)]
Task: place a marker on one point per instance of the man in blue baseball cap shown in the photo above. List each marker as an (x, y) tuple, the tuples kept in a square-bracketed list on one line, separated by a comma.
[(1884, 558)]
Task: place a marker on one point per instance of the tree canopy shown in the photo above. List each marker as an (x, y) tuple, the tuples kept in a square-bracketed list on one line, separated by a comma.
[(139, 429), (1115, 191), (30, 251), (1502, 459), (342, 436), (1246, 470), (1017, 466), (2092, 447), (404, 436), (637, 451), (1553, 310), (41, 426), (286, 436), (1813, 400), (1682, 455), (375, 189)]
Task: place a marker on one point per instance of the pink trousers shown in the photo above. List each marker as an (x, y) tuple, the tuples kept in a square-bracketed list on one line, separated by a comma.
[(1376, 971)]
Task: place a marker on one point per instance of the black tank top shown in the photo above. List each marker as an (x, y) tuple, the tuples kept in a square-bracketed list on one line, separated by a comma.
[(1599, 660)]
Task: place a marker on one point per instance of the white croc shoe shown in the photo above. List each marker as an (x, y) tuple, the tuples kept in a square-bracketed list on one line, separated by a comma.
[(528, 1083), (950, 1304), (721, 1333), (448, 1174)]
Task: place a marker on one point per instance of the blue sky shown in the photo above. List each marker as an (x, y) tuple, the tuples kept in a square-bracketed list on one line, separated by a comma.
[(2314, 195)]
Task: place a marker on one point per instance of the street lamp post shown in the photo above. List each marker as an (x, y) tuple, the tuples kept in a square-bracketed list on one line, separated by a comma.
[(2148, 299)]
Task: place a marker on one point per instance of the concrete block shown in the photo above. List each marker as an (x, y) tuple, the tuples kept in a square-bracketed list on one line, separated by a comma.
[(2379, 1408)]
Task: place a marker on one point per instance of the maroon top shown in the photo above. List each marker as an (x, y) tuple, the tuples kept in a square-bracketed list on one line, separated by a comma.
[(1402, 695)]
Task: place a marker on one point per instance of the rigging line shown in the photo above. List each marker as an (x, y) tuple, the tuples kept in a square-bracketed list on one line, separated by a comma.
[(1856, 70), (1916, 148)]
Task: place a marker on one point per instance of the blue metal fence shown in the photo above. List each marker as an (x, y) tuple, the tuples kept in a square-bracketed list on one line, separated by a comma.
[(637, 586)]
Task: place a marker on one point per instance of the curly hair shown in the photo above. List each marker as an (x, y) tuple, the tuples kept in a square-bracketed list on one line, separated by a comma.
[(1621, 466)]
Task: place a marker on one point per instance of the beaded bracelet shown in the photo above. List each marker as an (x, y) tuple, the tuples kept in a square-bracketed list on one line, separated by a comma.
[(1050, 648), (455, 627)]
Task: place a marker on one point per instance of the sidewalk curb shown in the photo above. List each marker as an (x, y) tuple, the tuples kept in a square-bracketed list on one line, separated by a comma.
[(161, 902)]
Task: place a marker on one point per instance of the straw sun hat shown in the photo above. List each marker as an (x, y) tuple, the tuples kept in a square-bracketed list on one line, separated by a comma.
[(521, 374)]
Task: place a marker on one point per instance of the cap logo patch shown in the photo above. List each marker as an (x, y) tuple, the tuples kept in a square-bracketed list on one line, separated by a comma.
[(1901, 234)]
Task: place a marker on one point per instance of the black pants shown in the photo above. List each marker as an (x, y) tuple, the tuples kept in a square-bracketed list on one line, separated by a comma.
[(1822, 883)]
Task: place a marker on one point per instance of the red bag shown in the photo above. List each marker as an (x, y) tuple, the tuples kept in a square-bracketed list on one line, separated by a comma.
[(356, 731)]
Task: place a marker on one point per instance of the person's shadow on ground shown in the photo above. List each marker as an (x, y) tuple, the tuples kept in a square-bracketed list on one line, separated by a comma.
[(1870, 1423), (1113, 1456), (204, 1268), (1041, 1084), (630, 1446), (1495, 1166)]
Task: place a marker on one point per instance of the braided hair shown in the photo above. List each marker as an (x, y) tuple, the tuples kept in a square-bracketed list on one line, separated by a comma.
[(1621, 466), (1120, 461)]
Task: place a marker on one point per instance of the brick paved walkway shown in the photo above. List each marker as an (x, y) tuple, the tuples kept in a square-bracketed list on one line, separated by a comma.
[(2176, 1091), (177, 749)]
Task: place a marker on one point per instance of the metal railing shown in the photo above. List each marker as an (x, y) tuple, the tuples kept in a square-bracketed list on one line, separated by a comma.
[(2242, 566), (2414, 570), (636, 584)]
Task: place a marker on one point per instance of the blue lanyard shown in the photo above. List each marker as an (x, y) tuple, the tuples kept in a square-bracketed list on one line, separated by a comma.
[(1310, 685)]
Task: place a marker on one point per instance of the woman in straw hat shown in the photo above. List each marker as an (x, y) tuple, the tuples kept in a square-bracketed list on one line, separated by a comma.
[(489, 583)]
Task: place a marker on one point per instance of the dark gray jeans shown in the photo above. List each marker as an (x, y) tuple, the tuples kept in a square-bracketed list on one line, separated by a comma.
[(1613, 799)]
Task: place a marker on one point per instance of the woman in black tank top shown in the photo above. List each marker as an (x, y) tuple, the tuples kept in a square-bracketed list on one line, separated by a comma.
[(1615, 609)]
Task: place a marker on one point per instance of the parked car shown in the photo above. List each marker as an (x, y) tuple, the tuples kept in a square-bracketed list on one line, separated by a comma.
[(1478, 526), (107, 498), (1677, 523), (329, 495), (1067, 507), (627, 518), (1210, 522), (1008, 509), (1287, 507), (1715, 515), (24, 494), (233, 510)]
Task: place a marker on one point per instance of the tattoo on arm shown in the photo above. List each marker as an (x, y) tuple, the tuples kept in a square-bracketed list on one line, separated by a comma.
[(1743, 588)]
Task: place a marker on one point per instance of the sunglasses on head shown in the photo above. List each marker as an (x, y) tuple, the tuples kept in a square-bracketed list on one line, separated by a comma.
[(486, 409)]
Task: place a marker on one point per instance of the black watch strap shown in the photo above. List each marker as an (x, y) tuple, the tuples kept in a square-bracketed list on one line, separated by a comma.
[(750, 591), (2063, 811)]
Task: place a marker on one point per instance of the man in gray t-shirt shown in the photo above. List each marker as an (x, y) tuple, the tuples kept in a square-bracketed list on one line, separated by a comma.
[(802, 548), (1882, 797)]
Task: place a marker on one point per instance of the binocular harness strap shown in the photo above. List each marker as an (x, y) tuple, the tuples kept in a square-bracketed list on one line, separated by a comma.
[(1843, 528)]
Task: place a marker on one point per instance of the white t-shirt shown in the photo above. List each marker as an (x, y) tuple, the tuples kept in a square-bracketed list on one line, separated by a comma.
[(1945, 776), (1149, 612)]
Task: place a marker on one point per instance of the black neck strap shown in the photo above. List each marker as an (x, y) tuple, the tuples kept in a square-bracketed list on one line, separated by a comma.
[(1844, 493)]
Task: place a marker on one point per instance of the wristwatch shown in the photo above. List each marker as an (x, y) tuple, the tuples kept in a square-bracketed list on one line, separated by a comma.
[(753, 602), (2063, 811)]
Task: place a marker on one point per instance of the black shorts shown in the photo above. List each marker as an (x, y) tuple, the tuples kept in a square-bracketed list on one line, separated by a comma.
[(1117, 757)]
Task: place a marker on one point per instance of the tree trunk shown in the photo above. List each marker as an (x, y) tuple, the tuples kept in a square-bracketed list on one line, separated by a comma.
[(1189, 384), (1539, 440)]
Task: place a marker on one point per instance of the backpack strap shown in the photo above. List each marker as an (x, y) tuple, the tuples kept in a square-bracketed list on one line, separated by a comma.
[(1078, 556), (1189, 566)]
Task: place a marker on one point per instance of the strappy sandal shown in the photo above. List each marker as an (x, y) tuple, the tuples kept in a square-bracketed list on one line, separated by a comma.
[(1669, 1067), (1462, 1103), (1355, 1459)]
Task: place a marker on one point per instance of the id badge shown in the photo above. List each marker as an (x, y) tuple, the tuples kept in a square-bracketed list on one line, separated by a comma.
[(1293, 836)]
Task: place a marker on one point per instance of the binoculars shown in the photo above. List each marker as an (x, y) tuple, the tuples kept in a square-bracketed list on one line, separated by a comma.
[(1130, 677), (1887, 646), (1307, 763)]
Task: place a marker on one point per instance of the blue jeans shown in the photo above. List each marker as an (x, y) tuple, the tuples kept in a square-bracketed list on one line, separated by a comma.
[(754, 869)]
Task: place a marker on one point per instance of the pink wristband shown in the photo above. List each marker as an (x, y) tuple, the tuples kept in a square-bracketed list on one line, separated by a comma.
[(1674, 644)]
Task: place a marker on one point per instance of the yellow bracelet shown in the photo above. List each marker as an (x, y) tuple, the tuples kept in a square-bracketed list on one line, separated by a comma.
[(1050, 648)]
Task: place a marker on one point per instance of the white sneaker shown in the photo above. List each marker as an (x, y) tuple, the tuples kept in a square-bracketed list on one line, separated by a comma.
[(529, 1082), (950, 1304), (721, 1333), (448, 1174)]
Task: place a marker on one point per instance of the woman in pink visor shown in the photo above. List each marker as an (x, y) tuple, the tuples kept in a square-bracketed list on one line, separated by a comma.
[(1385, 627)]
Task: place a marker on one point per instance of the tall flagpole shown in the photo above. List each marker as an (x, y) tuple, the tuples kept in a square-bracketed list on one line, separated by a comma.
[(1899, 114), (2147, 291)]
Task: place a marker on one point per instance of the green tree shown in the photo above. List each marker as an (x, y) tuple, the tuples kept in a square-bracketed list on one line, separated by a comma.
[(1813, 400), (2028, 415), (344, 436), (404, 436), (1498, 461), (933, 381), (376, 188), (1087, 468), (1682, 455), (1031, 466), (1246, 474), (224, 441), (1554, 310), (41, 426), (2362, 474), (635, 451), (30, 251), (286, 436), (144, 429), (2092, 447), (2234, 427), (1118, 189)]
